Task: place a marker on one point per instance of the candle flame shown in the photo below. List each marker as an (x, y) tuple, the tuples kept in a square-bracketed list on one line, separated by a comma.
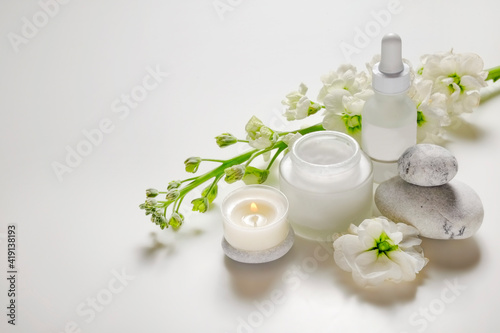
[(253, 207)]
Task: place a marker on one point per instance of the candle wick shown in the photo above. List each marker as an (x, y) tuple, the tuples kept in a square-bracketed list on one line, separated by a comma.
[(254, 220)]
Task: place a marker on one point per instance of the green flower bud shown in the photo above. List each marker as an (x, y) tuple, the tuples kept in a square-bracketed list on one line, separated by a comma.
[(161, 221), (200, 204), (253, 126), (234, 173), (210, 195), (151, 192), (255, 176), (174, 184), (151, 202), (225, 139), (314, 108), (142, 206), (172, 195), (176, 220), (158, 219), (192, 164)]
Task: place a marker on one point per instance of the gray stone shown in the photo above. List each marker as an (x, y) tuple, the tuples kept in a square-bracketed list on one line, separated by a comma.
[(427, 165), (450, 211)]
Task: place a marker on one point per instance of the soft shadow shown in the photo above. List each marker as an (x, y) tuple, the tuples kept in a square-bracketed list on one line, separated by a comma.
[(453, 254), (461, 128), (159, 246), (253, 281), (387, 294), (449, 255), (155, 248)]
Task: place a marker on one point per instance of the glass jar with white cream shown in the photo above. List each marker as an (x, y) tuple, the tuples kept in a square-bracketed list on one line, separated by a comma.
[(328, 181)]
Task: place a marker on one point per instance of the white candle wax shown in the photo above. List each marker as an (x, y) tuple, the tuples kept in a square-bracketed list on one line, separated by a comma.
[(255, 218)]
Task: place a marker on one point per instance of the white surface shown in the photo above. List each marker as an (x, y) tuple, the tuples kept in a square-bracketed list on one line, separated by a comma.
[(75, 236)]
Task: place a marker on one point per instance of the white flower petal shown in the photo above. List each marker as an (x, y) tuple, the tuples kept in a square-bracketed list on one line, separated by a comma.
[(470, 63), (302, 89), (377, 268), (297, 104), (471, 83), (348, 247), (302, 108), (333, 101), (471, 101), (333, 122), (405, 263), (353, 105), (290, 138), (369, 232)]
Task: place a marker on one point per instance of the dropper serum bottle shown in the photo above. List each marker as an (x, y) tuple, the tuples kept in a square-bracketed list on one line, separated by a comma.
[(389, 117)]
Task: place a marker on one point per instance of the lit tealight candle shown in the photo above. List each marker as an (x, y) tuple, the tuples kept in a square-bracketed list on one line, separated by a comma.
[(253, 213), (255, 218)]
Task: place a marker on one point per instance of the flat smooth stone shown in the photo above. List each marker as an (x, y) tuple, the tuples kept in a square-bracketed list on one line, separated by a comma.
[(427, 165), (450, 211), (259, 257)]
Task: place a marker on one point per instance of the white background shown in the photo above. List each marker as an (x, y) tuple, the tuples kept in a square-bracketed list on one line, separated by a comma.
[(76, 234)]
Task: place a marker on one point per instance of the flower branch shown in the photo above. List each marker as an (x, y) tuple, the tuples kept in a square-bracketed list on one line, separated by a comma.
[(444, 86)]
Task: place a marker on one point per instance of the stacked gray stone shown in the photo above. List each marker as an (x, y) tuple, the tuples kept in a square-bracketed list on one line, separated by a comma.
[(426, 196)]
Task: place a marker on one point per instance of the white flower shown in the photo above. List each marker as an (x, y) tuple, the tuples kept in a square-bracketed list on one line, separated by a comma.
[(345, 78), (343, 113), (298, 106), (458, 76), (431, 111), (290, 138), (344, 94), (258, 135), (380, 250)]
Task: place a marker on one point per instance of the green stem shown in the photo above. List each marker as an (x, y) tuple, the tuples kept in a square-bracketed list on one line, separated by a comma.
[(212, 160), (278, 152), (244, 141), (178, 202), (313, 128), (263, 151), (217, 171), (216, 180), (310, 129), (493, 73)]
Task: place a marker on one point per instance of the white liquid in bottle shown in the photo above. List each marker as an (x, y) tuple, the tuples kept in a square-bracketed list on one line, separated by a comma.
[(389, 119)]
